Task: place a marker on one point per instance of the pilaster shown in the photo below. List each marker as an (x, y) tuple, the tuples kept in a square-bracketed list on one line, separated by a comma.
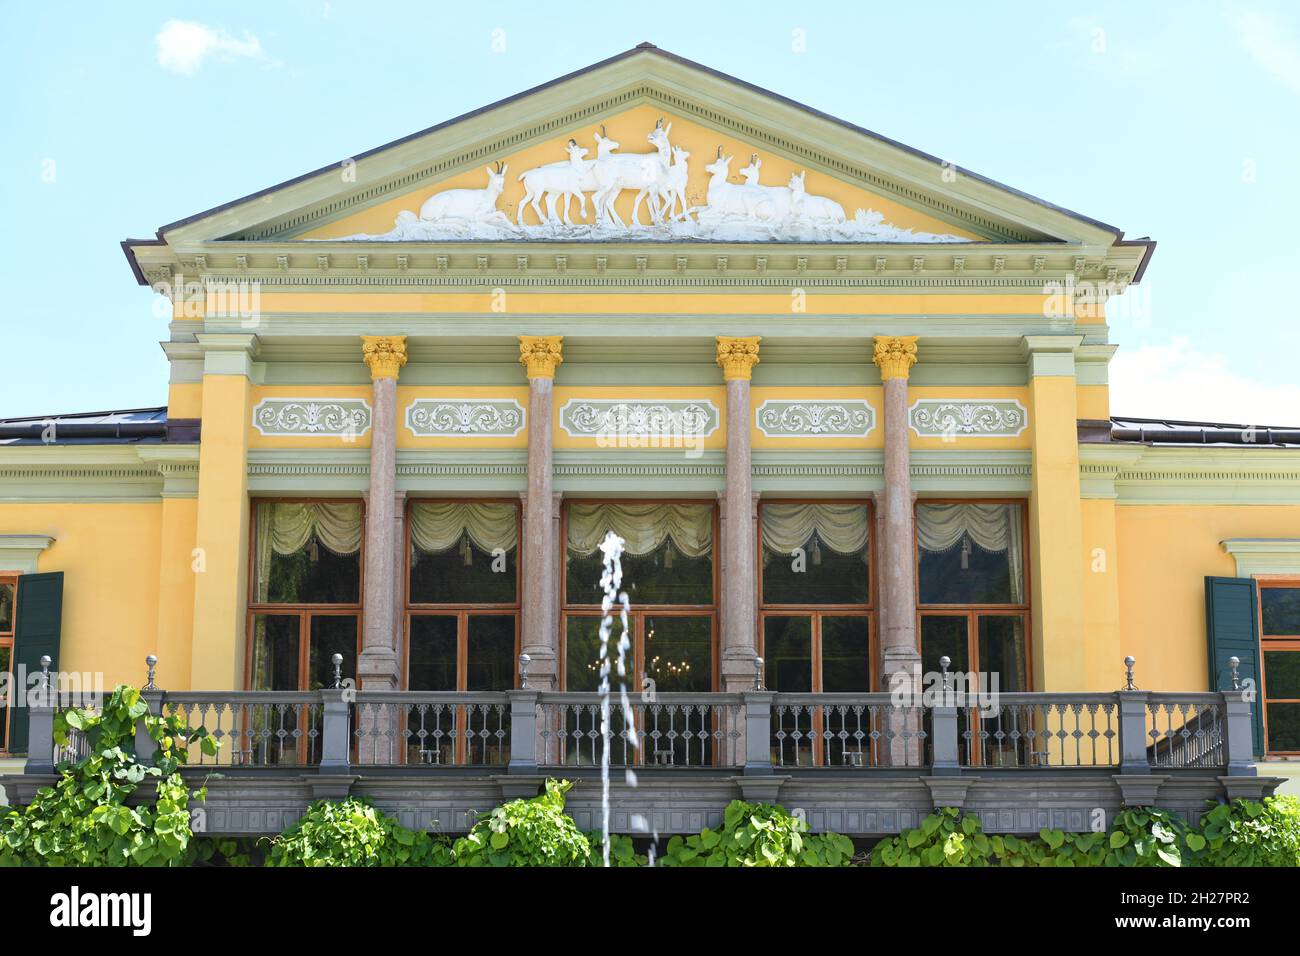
[(540, 355)]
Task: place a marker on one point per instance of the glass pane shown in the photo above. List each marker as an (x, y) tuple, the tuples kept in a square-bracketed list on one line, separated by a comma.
[(679, 653), (846, 655), (1281, 610), (582, 654), (275, 652), (6, 606), (941, 636), (432, 655), (491, 652), (977, 555), (5, 653), (465, 573), (662, 576), (1282, 675), (322, 570), (787, 654), (816, 573), (1002, 651), (1284, 728), (331, 634)]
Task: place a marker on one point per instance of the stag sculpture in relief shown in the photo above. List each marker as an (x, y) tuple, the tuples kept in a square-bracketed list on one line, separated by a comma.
[(468, 205)]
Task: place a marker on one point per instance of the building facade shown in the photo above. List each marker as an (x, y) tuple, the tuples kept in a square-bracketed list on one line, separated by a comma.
[(846, 405)]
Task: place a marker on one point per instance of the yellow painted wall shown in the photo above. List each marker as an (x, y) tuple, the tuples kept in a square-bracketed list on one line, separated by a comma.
[(1102, 567), (109, 556), (630, 129), (1166, 552), (1094, 401), (185, 400)]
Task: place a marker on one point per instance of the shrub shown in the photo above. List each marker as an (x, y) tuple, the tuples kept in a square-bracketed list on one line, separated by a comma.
[(1246, 833), (621, 850), (531, 832), (943, 839), (758, 834), (352, 832), (1050, 848), (1146, 836), (84, 820)]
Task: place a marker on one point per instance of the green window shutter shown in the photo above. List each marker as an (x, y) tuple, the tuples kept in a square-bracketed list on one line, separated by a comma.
[(37, 623), (1232, 630)]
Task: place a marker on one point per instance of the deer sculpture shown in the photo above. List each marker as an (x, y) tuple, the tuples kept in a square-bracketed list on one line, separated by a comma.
[(816, 209), (645, 172), (557, 180), (731, 200), (470, 205), (772, 202), (674, 191)]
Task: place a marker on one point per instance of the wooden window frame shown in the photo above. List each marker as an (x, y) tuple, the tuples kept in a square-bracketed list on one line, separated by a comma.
[(639, 612), (973, 612), (7, 641), (1273, 642), (816, 612), (304, 612)]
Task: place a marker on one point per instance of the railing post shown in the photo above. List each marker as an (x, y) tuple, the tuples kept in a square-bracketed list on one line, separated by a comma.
[(523, 731), (40, 724), (758, 731), (1239, 737), (945, 755), (145, 745), (334, 733), (1133, 731)]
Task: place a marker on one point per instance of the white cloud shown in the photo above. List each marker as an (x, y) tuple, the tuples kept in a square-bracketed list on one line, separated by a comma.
[(184, 45), (1268, 44), (1177, 381)]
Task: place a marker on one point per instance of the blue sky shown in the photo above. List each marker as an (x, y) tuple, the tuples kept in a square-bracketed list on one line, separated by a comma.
[(1180, 121)]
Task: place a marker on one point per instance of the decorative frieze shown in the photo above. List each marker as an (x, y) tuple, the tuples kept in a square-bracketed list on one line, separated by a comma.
[(465, 418), (312, 417), (815, 418), (967, 418), (614, 418)]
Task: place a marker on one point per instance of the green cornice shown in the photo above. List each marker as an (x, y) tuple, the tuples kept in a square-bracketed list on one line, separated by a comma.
[(97, 473), (1255, 556), (21, 552), (1182, 475)]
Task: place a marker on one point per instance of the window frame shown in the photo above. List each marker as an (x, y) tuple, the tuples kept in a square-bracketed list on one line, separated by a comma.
[(7, 641), (304, 612), (1273, 642), (641, 611), (973, 612), (816, 612), (462, 610)]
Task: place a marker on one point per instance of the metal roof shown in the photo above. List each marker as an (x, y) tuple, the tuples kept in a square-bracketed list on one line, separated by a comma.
[(129, 426), (1166, 431)]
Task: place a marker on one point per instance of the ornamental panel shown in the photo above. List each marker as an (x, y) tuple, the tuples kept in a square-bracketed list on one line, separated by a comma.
[(312, 417), (967, 418), (815, 418), (465, 418), (658, 418)]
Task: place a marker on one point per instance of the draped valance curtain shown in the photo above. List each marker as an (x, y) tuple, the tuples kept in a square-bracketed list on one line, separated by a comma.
[(439, 526), (993, 527), (643, 527), (844, 528), (286, 527)]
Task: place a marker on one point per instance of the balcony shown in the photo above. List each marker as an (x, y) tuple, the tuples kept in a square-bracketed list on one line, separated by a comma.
[(860, 764)]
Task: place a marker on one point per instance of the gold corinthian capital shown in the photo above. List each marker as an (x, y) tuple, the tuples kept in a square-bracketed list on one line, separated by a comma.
[(738, 356), (895, 354), (385, 354), (540, 354)]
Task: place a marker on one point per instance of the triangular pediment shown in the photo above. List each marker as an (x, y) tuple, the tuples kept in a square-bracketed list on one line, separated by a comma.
[(437, 185)]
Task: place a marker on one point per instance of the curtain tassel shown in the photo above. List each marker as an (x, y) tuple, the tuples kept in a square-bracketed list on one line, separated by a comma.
[(466, 553), (668, 555), (965, 553), (816, 551)]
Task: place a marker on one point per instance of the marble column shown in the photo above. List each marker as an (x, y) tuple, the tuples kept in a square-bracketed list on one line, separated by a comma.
[(379, 667), (898, 638), (738, 356), (540, 354)]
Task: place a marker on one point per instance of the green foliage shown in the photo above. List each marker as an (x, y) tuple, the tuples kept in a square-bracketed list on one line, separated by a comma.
[(352, 832), (84, 819), (943, 839), (621, 851), (223, 851), (1246, 833), (1050, 848), (1146, 836), (758, 834), (532, 832)]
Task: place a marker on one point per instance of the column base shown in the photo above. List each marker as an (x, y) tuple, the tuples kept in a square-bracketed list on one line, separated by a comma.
[(736, 672), (379, 669)]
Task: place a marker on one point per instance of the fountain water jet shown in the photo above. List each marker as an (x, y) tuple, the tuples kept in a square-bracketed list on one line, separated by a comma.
[(611, 581)]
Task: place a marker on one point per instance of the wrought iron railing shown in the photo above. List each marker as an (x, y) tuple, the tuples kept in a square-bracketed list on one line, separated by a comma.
[(845, 730), (672, 730), (1041, 731), (754, 732)]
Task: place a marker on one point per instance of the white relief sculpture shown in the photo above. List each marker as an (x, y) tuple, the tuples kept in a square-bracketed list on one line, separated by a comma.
[(968, 418), (318, 418), (467, 417), (558, 180), (595, 418), (811, 418), (732, 212)]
